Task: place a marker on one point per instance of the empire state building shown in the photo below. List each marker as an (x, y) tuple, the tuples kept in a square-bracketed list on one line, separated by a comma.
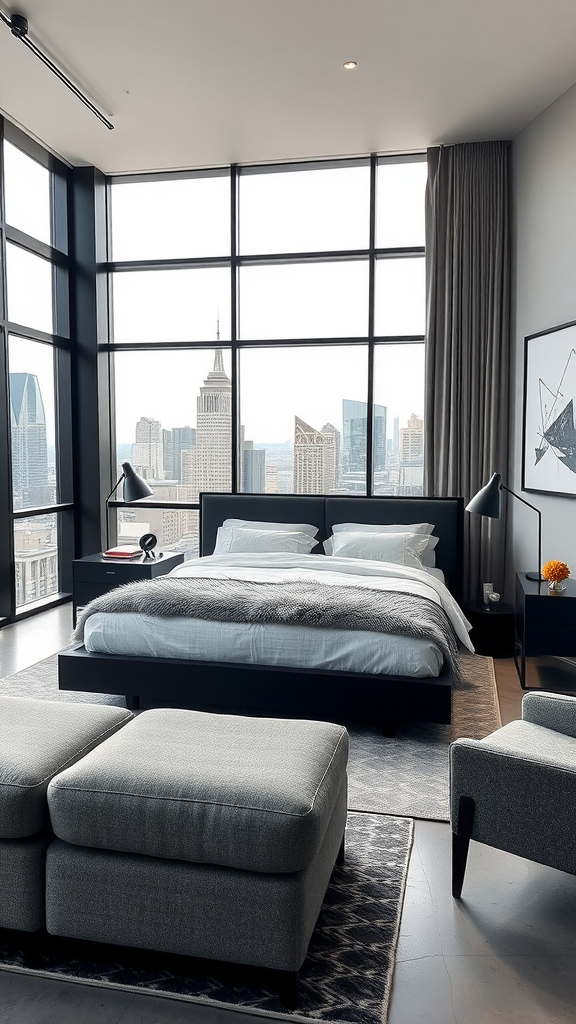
[(212, 456)]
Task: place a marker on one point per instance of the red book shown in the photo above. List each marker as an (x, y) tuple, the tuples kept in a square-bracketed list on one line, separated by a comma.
[(123, 551)]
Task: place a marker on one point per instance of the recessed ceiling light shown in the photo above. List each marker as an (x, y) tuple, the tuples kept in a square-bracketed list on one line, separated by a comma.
[(349, 65)]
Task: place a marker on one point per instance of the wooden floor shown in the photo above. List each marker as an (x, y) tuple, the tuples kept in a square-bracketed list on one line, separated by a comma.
[(505, 952)]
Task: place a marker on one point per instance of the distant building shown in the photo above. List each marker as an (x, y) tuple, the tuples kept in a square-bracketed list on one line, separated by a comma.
[(183, 440), (36, 558), (149, 449), (314, 459), (168, 455), (355, 438), (211, 462), (253, 469), (411, 456), (30, 481)]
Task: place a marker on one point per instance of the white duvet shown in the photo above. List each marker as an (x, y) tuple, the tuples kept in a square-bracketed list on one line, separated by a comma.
[(291, 646)]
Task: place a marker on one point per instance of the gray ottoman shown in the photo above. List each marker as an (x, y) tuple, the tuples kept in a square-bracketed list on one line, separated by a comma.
[(37, 739), (201, 834)]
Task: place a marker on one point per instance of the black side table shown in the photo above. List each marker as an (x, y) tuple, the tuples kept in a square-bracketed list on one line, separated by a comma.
[(492, 628), (95, 575), (545, 628)]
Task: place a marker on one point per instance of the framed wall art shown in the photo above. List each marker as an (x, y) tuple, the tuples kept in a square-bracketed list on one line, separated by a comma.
[(549, 431)]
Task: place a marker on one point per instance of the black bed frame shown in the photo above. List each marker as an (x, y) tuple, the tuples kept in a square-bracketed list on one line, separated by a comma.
[(264, 690)]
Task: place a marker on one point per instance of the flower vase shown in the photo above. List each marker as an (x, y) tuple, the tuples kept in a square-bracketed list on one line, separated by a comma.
[(556, 586)]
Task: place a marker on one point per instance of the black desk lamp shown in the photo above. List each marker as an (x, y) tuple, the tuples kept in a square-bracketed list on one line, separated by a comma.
[(487, 503), (134, 488)]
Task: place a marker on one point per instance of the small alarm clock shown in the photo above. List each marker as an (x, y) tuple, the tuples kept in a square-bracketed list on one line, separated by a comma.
[(148, 542)]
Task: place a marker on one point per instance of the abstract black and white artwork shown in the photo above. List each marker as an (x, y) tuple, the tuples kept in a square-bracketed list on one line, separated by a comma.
[(549, 462)]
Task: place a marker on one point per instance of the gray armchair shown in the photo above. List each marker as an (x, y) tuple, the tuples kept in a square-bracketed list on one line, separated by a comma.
[(516, 789)]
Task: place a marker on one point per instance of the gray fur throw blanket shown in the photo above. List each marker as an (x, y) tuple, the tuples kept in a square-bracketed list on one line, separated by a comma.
[(294, 602)]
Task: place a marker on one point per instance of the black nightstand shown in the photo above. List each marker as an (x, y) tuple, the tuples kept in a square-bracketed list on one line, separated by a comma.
[(492, 628), (95, 575), (545, 626)]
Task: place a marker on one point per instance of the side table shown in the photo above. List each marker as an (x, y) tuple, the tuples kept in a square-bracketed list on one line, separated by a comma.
[(492, 628), (95, 575), (545, 627)]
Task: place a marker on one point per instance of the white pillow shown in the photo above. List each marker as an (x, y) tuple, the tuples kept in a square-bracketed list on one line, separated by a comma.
[(428, 557), (383, 528), (306, 528), (234, 539), (401, 548)]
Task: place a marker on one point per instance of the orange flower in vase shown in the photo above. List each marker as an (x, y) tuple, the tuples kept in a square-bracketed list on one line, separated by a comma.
[(555, 572)]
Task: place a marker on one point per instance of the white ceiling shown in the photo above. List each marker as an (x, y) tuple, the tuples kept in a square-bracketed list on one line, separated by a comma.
[(209, 82)]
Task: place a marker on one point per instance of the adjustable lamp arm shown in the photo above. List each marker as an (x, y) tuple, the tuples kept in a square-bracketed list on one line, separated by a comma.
[(530, 575), (116, 486)]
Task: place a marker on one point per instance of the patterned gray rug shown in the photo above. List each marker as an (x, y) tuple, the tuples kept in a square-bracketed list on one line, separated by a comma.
[(346, 977), (405, 775)]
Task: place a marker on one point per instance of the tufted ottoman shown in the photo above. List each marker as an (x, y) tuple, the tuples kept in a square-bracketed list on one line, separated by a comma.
[(201, 834), (37, 739)]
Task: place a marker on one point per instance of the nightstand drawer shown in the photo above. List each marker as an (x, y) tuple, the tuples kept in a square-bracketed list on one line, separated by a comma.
[(104, 572), (85, 592), (551, 610), (553, 639)]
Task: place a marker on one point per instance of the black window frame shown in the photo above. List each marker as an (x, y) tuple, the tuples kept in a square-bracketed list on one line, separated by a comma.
[(61, 342), (235, 261)]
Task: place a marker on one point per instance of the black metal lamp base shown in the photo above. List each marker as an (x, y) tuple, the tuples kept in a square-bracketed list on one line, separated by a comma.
[(535, 576)]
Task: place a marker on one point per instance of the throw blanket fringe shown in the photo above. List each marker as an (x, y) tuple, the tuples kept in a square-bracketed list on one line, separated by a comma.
[(302, 603)]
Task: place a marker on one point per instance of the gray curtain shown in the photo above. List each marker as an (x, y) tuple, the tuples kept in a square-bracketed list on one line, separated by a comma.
[(468, 340)]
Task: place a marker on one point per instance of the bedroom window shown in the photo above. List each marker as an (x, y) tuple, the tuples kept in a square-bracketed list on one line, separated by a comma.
[(284, 304), (36, 511)]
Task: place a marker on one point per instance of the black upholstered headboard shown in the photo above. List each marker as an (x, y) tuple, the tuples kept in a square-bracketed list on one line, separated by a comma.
[(446, 514), (263, 508)]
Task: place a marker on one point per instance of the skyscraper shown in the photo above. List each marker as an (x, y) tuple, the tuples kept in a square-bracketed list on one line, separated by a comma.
[(211, 462), (253, 469), (314, 458), (29, 445), (355, 428), (183, 440), (149, 449), (412, 456)]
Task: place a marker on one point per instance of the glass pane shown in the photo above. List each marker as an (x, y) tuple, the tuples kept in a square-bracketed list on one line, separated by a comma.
[(305, 211), (171, 305), (29, 280), (153, 220), (32, 422), (400, 194), (400, 297), (313, 300), (27, 193), (293, 405), (175, 428), (399, 391), (36, 557), (174, 529)]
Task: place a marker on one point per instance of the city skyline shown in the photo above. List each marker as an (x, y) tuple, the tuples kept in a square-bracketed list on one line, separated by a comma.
[(325, 458)]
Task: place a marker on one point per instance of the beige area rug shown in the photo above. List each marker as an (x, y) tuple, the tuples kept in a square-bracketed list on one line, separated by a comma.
[(406, 774)]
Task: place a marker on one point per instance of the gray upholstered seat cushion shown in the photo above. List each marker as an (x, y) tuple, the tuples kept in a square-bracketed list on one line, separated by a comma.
[(37, 739), (522, 779), (249, 793)]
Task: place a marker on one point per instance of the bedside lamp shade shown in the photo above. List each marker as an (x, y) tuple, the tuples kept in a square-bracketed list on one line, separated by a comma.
[(487, 503), (134, 488)]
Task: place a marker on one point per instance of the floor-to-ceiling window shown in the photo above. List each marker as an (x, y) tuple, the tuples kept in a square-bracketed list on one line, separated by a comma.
[(267, 334), (36, 511)]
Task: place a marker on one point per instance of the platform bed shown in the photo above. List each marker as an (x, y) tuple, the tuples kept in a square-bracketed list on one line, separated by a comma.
[(265, 690)]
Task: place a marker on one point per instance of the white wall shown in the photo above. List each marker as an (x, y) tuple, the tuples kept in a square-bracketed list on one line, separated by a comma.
[(544, 295)]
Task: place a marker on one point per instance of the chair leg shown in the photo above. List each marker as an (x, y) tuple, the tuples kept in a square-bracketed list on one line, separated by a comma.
[(288, 988), (461, 842)]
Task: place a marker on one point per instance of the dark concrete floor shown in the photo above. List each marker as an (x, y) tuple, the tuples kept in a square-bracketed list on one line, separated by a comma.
[(504, 953)]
